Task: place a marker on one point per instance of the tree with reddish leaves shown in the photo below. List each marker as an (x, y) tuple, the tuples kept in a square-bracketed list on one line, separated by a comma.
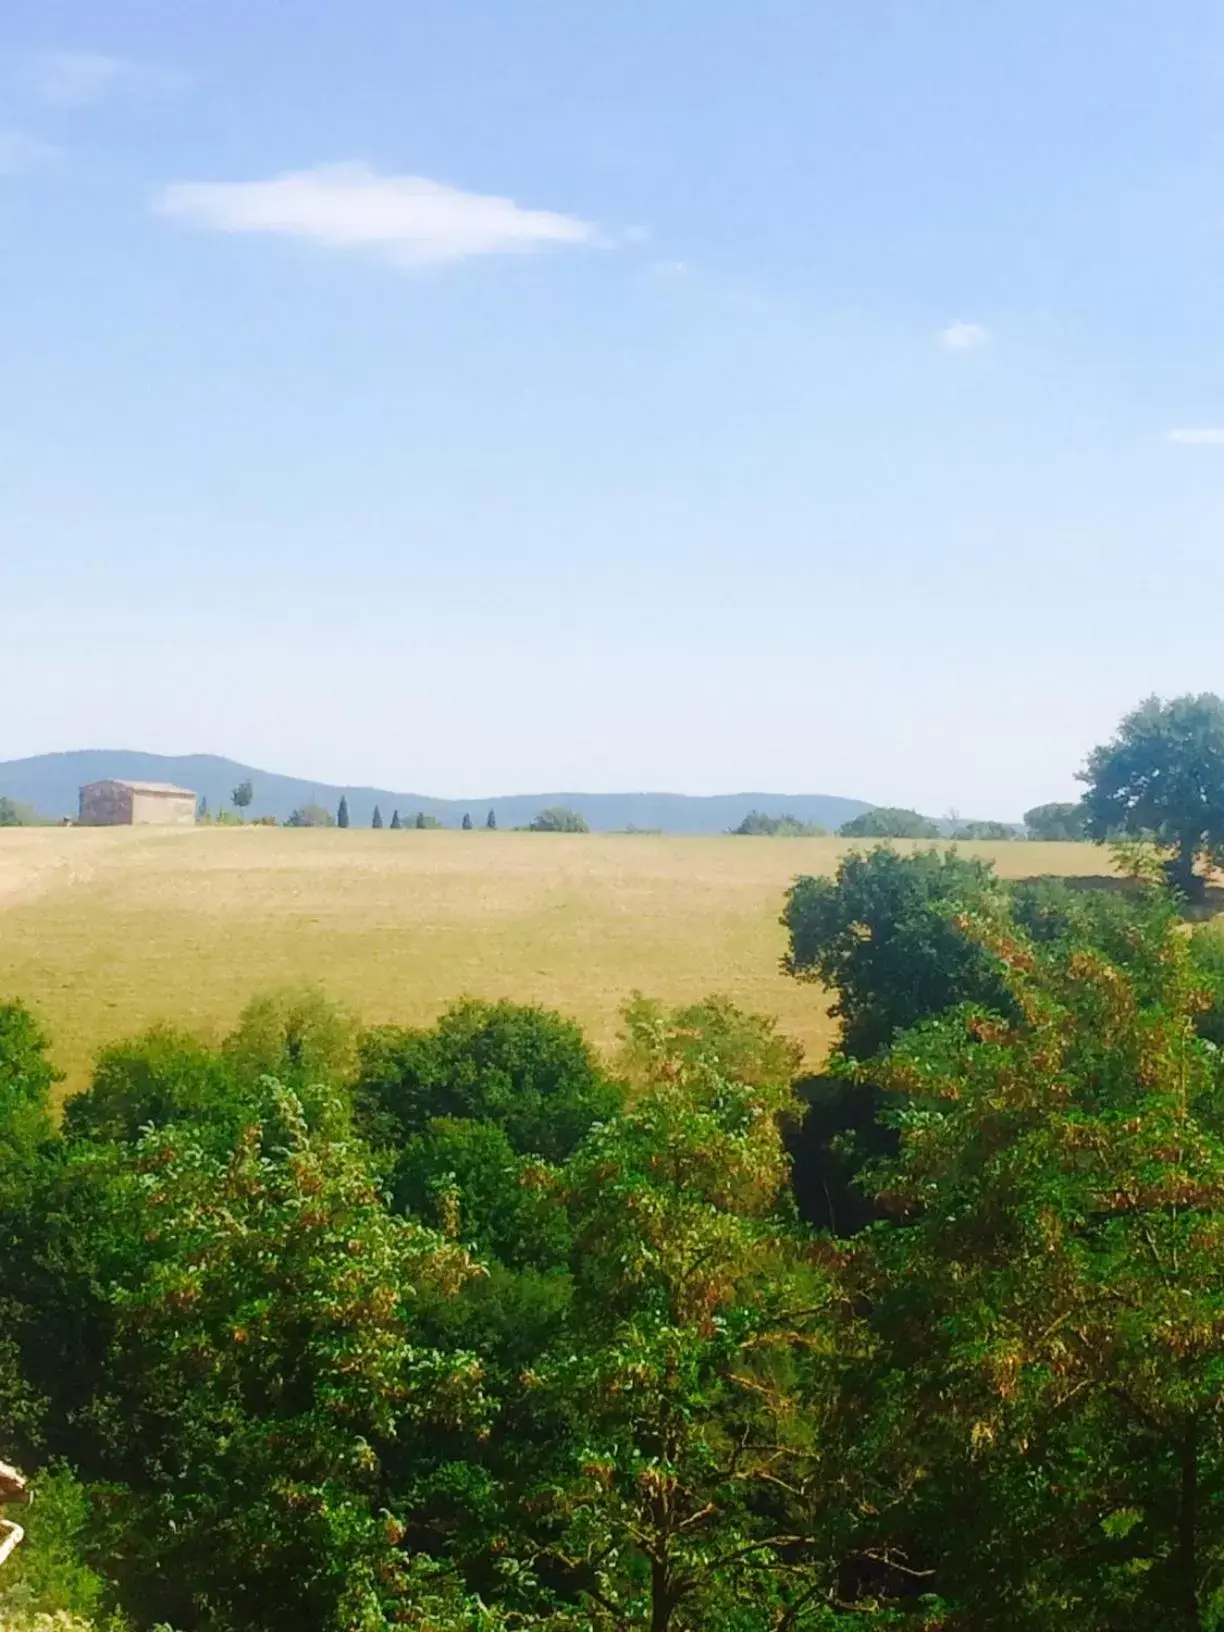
[(1048, 1295)]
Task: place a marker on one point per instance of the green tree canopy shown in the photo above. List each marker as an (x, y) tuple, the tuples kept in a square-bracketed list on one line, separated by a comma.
[(310, 815), (559, 819), (26, 1080), (682, 1494), (984, 830), (15, 814), (1049, 1300), (491, 819), (342, 812), (1061, 820), (466, 823), (395, 821), (376, 820), (523, 1069), (160, 1077), (883, 934), (242, 794), (889, 822), (758, 824), (1163, 774), (270, 1351)]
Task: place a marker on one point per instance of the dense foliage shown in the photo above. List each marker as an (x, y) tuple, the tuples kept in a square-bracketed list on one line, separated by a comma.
[(992, 831), (13, 813), (1163, 775), (310, 815), (463, 1329), (759, 825), (558, 819), (1059, 821), (883, 935), (889, 822), (1049, 1312)]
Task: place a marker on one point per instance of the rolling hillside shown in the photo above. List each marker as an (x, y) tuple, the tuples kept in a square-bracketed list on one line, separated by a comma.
[(50, 782), (105, 931)]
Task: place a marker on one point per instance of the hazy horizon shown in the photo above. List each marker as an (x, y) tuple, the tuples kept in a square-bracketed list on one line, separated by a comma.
[(480, 795)]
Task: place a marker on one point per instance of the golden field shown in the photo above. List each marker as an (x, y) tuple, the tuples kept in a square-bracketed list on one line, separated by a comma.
[(106, 931)]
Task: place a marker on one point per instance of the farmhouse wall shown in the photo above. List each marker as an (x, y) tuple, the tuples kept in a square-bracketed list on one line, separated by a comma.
[(106, 804), (166, 809), (126, 804)]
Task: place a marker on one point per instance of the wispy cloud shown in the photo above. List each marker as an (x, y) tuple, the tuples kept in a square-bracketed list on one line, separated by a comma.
[(1198, 436), (74, 79), (19, 152), (409, 220), (963, 336)]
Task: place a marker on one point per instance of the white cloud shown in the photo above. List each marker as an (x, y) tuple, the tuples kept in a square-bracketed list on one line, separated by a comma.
[(962, 336), (74, 79), (409, 219), (1202, 436), (19, 152)]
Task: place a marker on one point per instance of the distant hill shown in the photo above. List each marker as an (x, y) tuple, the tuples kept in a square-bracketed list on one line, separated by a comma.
[(50, 782)]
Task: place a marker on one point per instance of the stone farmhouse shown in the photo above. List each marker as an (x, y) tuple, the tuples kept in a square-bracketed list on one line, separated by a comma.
[(136, 804)]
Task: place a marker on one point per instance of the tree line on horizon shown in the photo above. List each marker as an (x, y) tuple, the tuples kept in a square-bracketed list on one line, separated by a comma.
[(1161, 777), (552, 819)]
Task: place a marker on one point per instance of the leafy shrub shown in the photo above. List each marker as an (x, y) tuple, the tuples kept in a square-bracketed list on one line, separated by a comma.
[(526, 1070), (1047, 1303), (757, 824), (260, 1364), (464, 1177), (311, 815), (26, 1079), (1060, 821), (714, 1033), (297, 1036), (1162, 776), (1207, 959), (889, 822), (559, 819), (47, 1579), (165, 1077), (984, 831), (883, 934), (148, 1081), (15, 814)]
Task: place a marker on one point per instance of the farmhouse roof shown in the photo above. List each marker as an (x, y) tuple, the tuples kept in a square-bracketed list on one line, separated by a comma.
[(143, 787)]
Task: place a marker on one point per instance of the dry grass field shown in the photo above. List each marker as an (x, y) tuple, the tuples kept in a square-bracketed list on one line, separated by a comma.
[(105, 931)]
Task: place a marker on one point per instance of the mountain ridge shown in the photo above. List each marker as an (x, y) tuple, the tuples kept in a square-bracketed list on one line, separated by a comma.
[(50, 783)]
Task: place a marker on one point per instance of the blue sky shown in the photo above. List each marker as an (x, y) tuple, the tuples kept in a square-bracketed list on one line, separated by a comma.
[(685, 394)]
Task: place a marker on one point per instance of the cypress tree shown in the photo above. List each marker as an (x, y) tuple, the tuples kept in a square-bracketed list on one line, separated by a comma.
[(342, 819), (467, 822), (420, 821), (396, 824), (492, 819), (378, 821)]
